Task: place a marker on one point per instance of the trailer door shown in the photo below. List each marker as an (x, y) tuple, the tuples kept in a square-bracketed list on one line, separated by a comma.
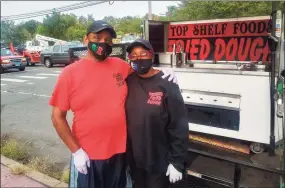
[(156, 32)]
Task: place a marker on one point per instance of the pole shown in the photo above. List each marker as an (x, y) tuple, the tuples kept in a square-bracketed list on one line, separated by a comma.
[(149, 11), (283, 17), (272, 87)]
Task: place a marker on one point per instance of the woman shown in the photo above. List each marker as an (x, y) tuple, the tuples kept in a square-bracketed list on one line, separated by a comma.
[(157, 123)]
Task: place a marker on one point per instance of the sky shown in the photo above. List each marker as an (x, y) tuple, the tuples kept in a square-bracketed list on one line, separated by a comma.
[(118, 9)]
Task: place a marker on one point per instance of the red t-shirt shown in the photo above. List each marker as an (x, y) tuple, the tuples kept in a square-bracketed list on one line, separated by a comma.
[(96, 93)]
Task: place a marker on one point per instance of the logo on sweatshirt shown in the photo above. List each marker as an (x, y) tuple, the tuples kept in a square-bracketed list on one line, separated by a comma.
[(155, 98), (119, 79)]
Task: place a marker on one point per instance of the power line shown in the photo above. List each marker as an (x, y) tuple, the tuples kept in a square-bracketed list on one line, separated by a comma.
[(41, 11), (60, 9)]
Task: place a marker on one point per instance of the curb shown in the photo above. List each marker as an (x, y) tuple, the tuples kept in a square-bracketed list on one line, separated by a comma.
[(40, 177)]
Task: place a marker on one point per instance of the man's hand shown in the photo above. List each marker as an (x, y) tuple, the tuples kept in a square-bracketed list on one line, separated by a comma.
[(174, 175), (81, 161), (171, 74)]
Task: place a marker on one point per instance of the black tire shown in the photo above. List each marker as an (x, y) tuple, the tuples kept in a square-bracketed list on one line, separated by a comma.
[(33, 64), (22, 68), (1, 69), (48, 63)]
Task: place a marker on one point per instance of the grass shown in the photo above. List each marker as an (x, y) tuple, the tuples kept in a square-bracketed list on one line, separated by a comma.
[(19, 152), (65, 176), (13, 150), (18, 169), (44, 165)]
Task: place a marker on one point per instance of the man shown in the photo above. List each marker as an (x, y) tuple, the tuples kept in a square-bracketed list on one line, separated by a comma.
[(94, 89)]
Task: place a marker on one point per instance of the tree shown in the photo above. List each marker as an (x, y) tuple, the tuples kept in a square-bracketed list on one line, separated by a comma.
[(20, 36), (198, 10), (129, 24), (75, 32), (56, 25), (31, 26), (12, 33), (83, 21), (7, 29)]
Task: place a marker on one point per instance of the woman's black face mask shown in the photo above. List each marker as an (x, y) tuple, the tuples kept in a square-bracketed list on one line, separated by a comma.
[(100, 50), (141, 66)]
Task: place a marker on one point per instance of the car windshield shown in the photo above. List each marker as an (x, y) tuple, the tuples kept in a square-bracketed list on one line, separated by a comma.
[(128, 38), (75, 45), (6, 52)]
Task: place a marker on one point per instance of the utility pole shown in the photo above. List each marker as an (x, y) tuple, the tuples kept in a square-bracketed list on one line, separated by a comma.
[(149, 11), (272, 86)]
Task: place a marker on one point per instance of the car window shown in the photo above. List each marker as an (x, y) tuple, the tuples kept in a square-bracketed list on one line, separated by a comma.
[(6, 52), (56, 48), (64, 48)]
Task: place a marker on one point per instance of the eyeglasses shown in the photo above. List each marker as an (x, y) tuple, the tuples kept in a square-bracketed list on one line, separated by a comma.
[(143, 55)]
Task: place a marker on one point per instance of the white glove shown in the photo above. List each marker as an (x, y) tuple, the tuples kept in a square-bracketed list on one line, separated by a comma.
[(174, 175), (81, 161), (171, 74)]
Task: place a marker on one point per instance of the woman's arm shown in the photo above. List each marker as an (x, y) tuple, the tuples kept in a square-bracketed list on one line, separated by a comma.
[(177, 128)]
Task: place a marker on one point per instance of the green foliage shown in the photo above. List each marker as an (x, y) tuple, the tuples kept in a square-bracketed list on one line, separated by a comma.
[(14, 33), (199, 10), (70, 27), (31, 26)]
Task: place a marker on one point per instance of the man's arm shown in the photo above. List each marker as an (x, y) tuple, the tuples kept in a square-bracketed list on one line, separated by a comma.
[(166, 74), (60, 102), (178, 127), (62, 128)]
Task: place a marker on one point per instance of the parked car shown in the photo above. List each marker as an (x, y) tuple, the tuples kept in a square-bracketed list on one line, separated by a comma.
[(32, 56), (11, 61), (57, 54)]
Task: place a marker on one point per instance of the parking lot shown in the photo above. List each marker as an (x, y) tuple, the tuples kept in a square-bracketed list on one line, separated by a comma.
[(25, 111)]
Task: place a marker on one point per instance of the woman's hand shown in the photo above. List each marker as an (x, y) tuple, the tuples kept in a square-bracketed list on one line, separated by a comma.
[(174, 175), (171, 74)]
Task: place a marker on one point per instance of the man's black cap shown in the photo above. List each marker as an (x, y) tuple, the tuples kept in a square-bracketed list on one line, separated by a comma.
[(140, 42), (100, 25)]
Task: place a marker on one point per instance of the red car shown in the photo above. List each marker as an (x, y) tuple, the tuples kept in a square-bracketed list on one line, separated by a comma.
[(11, 61)]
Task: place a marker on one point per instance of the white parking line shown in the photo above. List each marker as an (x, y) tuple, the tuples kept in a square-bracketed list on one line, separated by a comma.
[(12, 80), (45, 74), (30, 83), (3, 84), (57, 71), (25, 93), (33, 77), (33, 69)]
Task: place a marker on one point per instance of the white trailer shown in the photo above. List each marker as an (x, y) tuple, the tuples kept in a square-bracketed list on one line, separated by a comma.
[(223, 70), (228, 72)]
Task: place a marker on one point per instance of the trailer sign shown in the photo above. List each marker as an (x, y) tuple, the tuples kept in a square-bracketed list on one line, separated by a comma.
[(222, 41)]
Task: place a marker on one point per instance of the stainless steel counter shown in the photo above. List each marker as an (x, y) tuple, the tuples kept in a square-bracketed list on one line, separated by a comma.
[(187, 68)]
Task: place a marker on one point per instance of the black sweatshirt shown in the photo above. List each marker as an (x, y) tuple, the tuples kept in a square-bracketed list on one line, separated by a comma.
[(157, 124)]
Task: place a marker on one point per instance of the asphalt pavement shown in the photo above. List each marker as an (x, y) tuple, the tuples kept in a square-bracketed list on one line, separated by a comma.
[(25, 111)]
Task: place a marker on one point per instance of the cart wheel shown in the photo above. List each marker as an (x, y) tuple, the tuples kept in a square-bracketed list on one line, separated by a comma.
[(33, 64), (257, 148)]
